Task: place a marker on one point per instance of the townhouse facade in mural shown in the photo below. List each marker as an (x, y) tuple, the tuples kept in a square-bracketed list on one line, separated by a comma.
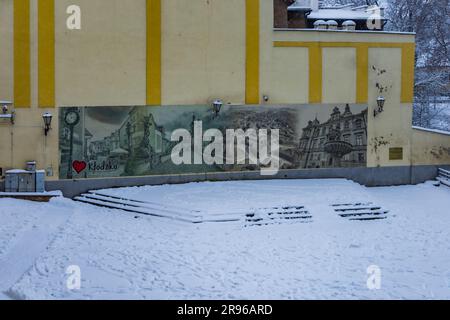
[(119, 85)]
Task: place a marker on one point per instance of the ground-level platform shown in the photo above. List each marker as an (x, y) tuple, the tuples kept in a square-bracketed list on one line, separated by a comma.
[(121, 255), (370, 177), (32, 196)]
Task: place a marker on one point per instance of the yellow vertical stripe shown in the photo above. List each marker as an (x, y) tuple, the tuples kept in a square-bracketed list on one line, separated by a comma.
[(362, 74), (46, 53), (315, 74), (154, 52), (22, 76), (408, 65), (252, 52)]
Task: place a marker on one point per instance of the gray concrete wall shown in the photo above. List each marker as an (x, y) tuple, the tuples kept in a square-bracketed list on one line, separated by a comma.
[(371, 177)]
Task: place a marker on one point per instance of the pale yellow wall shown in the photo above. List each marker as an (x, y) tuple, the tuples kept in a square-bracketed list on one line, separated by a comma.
[(104, 63), (430, 148), (392, 128), (6, 50), (285, 78), (339, 75), (203, 49), (27, 134)]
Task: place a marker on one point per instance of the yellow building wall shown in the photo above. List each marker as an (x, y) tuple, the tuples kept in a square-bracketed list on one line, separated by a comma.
[(181, 52), (392, 128), (25, 140), (6, 50), (104, 63), (430, 148), (203, 47), (339, 75)]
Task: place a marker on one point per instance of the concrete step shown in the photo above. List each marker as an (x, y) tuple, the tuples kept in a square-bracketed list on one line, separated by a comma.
[(360, 211), (278, 215), (136, 209), (163, 210), (443, 181)]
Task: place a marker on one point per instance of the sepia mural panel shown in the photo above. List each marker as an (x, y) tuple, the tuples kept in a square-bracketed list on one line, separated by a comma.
[(100, 142)]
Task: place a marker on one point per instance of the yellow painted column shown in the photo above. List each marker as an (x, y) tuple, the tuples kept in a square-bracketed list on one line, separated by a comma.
[(252, 52), (408, 66), (22, 63), (315, 74), (46, 53), (362, 73), (154, 52)]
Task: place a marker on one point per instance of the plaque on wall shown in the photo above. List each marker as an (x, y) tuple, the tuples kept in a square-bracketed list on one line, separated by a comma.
[(395, 153)]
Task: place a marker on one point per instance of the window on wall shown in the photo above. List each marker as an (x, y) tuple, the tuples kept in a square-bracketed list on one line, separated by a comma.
[(359, 139), (361, 157), (347, 138), (358, 124)]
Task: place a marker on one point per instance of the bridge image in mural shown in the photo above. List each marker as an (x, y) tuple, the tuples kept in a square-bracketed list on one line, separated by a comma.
[(136, 141)]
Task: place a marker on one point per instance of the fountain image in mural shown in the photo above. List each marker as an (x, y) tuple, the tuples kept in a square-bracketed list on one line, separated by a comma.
[(335, 140)]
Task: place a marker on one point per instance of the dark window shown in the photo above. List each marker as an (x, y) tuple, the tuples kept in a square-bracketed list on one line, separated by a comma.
[(361, 157)]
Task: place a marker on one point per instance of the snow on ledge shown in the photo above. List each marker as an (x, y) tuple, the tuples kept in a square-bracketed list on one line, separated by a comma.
[(347, 31), (447, 133), (56, 193)]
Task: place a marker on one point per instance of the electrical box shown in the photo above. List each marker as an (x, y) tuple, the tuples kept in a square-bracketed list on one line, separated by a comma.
[(40, 180), (25, 180)]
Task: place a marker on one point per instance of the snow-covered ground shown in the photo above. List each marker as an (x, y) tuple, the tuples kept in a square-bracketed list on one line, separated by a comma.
[(125, 256)]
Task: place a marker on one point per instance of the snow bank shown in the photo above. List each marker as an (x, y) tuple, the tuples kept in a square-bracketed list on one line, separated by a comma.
[(126, 257)]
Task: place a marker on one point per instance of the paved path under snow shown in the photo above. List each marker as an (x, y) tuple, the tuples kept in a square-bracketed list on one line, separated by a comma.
[(33, 241), (123, 257)]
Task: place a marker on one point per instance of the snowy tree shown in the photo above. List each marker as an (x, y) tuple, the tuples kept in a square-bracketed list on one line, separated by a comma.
[(430, 20)]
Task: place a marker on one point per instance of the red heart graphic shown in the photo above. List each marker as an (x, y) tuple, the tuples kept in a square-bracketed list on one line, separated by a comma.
[(79, 166)]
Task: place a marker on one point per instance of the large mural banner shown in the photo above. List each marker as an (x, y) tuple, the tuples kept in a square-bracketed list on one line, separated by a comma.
[(100, 142)]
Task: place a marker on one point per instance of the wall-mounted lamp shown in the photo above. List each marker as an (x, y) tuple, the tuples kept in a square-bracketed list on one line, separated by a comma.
[(217, 106), (380, 104), (47, 117), (6, 114)]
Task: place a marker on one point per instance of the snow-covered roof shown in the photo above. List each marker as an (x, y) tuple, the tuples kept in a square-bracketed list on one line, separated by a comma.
[(341, 12), (300, 5)]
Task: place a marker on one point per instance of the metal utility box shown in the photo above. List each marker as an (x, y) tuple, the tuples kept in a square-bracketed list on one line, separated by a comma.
[(24, 181), (40, 181), (11, 182), (27, 182), (20, 181)]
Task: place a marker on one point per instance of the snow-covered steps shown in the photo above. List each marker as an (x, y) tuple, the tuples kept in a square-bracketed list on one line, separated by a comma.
[(278, 215), (140, 207), (444, 177), (360, 211)]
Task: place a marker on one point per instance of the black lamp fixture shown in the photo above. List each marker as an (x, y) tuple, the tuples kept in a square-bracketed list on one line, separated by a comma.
[(217, 106), (380, 104), (5, 111), (47, 117)]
